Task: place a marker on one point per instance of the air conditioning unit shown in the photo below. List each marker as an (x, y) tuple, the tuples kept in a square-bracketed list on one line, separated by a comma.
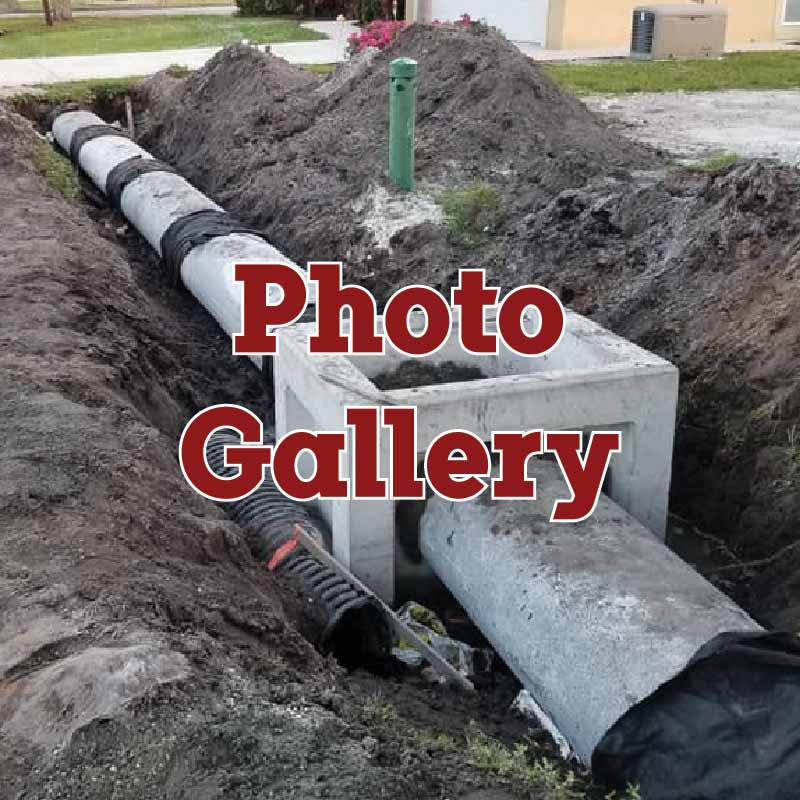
[(678, 31)]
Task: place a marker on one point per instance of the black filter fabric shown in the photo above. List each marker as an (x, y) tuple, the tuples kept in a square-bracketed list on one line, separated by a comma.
[(195, 229), (128, 171), (86, 134), (726, 728)]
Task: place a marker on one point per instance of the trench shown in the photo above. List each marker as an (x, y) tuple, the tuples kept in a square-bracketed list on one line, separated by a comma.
[(360, 622), (226, 379), (706, 550), (214, 376)]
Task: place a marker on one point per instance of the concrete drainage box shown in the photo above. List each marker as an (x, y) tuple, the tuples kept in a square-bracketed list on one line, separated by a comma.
[(592, 380)]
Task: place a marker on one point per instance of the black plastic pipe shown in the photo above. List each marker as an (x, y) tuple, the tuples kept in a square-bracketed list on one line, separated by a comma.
[(337, 617)]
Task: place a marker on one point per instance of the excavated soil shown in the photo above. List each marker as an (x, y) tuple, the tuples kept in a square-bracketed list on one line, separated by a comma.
[(143, 652), (411, 374), (254, 133), (699, 267)]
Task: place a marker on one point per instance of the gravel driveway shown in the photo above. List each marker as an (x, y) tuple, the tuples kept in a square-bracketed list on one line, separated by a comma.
[(700, 125)]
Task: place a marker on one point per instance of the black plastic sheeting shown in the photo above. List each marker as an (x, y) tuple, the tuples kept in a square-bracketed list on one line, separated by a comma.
[(726, 728), (128, 171), (89, 132), (338, 617), (194, 229)]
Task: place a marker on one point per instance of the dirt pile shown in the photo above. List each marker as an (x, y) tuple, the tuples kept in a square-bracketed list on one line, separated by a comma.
[(250, 130), (699, 267), (410, 374), (703, 269)]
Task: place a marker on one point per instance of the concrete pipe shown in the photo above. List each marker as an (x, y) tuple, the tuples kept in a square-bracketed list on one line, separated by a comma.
[(203, 242), (592, 617)]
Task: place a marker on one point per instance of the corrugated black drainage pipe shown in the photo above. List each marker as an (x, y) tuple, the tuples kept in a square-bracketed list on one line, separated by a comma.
[(338, 618)]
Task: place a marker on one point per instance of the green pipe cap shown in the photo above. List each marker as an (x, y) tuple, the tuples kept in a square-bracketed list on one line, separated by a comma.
[(403, 68)]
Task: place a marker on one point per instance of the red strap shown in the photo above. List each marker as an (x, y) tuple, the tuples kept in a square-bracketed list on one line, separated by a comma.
[(282, 552)]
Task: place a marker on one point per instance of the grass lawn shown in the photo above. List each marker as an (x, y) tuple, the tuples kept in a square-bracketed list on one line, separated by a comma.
[(321, 69), (77, 91), (29, 37), (736, 71)]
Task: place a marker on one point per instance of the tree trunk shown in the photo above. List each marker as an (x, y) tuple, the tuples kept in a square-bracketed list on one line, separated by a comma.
[(48, 14), (61, 10)]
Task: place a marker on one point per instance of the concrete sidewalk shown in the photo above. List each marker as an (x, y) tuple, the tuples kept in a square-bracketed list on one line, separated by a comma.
[(15, 72), (176, 11)]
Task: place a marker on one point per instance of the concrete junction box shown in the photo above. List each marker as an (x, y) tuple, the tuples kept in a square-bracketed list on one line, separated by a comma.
[(593, 380)]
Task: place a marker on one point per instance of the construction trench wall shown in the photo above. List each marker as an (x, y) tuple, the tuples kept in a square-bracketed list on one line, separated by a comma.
[(191, 232), (600, 621), (201, 244)]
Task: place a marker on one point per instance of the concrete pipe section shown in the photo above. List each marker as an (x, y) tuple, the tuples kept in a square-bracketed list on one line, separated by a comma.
[(191, 232), (625, 649)]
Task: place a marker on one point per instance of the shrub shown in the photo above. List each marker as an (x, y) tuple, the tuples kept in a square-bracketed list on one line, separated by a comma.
[(540, 777), (472, 213), (369, 10), (380, 33), (717, 164), (476, 26), (262, 8), (252, 8), (177, 71), (377, 712)]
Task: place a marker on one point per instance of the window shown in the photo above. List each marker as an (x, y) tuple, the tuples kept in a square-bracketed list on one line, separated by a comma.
[(791, 13)]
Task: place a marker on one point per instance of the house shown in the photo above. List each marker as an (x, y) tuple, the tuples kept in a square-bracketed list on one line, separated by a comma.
[(578, 24)]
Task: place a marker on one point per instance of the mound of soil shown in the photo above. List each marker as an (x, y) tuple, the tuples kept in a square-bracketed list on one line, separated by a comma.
[(699, 267), (703, 269), (250, 130)]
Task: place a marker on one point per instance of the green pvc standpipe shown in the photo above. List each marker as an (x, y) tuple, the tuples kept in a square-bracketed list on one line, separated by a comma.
[(402, 121)]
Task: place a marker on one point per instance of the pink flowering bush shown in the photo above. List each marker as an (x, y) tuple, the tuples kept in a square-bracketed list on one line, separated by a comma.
[(379, 33)]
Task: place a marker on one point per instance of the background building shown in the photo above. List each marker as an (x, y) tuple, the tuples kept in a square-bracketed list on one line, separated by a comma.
[(576, 24)]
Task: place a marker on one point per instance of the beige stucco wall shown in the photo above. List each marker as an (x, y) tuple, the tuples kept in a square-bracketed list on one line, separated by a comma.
[(751, 20), (576, 24)]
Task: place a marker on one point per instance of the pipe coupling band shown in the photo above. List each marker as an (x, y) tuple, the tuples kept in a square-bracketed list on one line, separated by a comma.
[(89, 132), (197, 228), (128, 171)]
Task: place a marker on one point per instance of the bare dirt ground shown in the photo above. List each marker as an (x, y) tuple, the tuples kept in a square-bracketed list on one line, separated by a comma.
[(701, 125), (700, 267), (143, 652)]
